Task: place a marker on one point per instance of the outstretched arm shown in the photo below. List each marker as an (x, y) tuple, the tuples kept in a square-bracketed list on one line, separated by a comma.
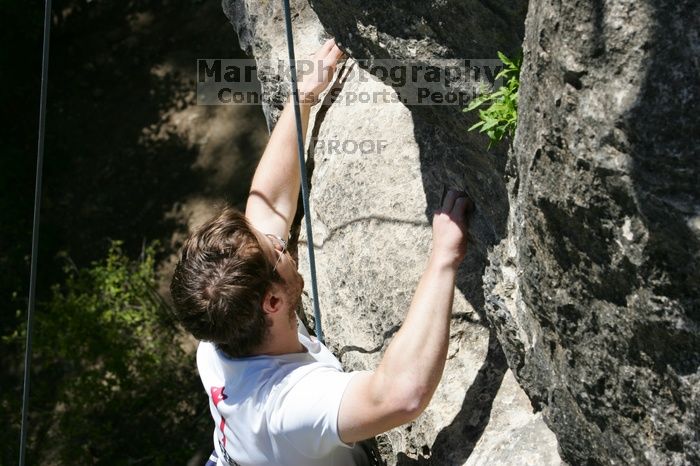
[(410, 370), (272, 201)]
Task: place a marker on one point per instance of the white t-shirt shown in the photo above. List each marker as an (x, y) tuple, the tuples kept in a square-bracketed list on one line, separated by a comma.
[(277, 410)]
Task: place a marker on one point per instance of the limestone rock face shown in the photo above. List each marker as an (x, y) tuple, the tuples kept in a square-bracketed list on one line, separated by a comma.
[(594, 292), (377, 174), (585, 240)]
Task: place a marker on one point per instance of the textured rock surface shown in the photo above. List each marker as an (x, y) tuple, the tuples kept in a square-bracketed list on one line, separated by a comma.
[(371, 214), (594, 292)]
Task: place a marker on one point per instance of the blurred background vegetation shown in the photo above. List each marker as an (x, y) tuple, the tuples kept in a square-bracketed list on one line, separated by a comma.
[(131, 163)]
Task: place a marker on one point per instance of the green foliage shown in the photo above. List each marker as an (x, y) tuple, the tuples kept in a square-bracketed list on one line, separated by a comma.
[(500, 118), (111, 382)]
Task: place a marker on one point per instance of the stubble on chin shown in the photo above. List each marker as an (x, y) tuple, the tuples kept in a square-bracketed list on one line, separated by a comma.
[(296, 306)]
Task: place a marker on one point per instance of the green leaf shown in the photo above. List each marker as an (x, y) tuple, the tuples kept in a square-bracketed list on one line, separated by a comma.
[(499, 119), (508, 72), (475, 125), (505, 59), (474, 104), (497, 94), (489, 124)]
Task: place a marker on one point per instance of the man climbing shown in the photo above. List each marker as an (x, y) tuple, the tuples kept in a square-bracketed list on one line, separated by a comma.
[(277, 395)]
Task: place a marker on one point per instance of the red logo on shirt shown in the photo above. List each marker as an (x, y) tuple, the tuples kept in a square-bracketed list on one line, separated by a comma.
[(217, 395)]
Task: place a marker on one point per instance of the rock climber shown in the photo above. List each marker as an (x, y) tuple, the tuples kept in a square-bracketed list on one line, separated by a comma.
[(277, 395)]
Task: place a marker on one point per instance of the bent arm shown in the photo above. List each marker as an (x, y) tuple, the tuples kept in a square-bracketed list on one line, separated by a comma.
[(272, 201), (404, 382), (401, 387)]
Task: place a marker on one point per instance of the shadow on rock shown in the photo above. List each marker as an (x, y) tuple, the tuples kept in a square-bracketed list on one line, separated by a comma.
[(448, 153), (455, 442)]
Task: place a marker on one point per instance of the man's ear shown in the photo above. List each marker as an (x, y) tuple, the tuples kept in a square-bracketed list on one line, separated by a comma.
[(272, 301)]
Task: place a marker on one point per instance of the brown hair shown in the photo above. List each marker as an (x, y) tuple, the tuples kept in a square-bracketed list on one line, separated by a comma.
[(219, 284)]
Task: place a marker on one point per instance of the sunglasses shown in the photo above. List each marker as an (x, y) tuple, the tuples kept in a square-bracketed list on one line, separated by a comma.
[(280, 245)]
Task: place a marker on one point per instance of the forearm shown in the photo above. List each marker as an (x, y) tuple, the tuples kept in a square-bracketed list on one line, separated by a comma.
[(413, 363), (404, 382), (277, 177), (274, 191)]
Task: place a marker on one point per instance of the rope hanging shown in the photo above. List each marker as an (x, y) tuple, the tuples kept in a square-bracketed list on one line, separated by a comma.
[(302, 167), (35, 229)]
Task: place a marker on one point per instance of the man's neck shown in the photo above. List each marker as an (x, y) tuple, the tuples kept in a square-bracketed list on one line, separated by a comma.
[(278, 343)]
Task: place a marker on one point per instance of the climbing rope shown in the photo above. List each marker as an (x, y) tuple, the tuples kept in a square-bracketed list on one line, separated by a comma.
[(35, 229), (302, 167)]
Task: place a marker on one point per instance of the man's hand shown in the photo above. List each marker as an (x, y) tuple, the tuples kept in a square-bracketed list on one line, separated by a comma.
[(323, 65), (450, 228)]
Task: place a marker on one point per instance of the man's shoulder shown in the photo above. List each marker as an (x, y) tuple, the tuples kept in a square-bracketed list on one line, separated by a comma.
[(319, 352), (206, 351)]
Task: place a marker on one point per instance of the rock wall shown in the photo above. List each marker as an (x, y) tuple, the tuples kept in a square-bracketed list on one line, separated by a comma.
[(584, 243), (371, 212), (594, 291)]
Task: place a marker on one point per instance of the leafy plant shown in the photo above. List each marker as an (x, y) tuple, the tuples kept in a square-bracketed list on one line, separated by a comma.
[(500, 118), (111, 380)]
